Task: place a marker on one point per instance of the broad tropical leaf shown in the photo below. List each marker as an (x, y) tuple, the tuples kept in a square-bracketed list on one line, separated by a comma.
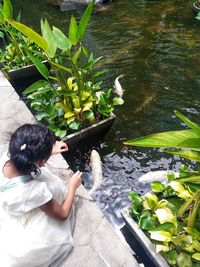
[(42, 68), (61, 39), (187, 154), (31, 34), (35, 86), (84, 20), (48, 35), (73, 31), (191, 124), (182, 139), (7, 9)]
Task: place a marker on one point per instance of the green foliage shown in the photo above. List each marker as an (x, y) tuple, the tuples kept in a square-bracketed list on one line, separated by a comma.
[(74, 94), (172, 223), (186, 139), (14, 54)]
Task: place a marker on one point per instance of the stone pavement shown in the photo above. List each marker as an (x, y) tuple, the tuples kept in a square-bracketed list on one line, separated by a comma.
[(96, 244)]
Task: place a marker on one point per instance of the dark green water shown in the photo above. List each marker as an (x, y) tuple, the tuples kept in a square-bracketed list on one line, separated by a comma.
[(156, 44)]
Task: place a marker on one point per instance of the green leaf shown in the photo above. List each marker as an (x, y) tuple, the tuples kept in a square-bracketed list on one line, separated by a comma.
[(40, 116), (60, 67), (193, 232), (76, 56), (164, 226), (61, 39), (74, 125), (60, 133), (192, 155), (157, 186), (118, 101), (7, 9), (183, 260), (161, 236), (73, 31), (165, 215), (89, 115), (134, 197), (42, 68), (48, 35), (196, 256), (31, 34), (84, 20), (181, 139), (35, 86), (191, 124), (171, 257)]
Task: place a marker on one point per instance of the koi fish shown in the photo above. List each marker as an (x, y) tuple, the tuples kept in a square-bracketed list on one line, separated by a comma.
[(96, 168), (160, 176), (118, 88)]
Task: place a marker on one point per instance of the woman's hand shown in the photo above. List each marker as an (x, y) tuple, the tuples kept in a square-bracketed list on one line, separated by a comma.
[(59, 147), (75, 180)]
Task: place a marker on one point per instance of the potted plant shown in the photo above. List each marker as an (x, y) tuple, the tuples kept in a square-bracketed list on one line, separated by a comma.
[(14, 59), (169, 214), (71, 96)]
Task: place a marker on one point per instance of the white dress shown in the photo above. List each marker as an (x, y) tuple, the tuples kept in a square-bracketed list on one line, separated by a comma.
[(28, 237)]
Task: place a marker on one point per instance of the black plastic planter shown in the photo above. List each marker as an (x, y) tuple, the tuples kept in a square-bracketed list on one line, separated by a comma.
[(149, 248), (23, 77), (91, 133)]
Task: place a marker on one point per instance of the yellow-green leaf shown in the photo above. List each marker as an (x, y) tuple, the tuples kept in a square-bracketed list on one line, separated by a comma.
[(165, 215), (196, 256), (163, 236)]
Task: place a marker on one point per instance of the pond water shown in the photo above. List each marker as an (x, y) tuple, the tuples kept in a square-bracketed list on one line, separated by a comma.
[(156, 45)]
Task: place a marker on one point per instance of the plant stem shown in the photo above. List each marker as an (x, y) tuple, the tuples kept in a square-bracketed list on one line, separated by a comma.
[(193, 213)]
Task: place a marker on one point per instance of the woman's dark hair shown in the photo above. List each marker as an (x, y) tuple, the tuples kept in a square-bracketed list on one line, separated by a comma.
[(28, 144)]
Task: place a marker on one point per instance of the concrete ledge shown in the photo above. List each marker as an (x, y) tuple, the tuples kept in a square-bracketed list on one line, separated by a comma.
[(96, 244)]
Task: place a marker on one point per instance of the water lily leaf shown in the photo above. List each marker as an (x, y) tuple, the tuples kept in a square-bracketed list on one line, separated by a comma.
[(61, 39), (165, 215), (75, 125), (157, 186), (184, 260), (118, 101), (163, 236), (196, 256), (150, 201)]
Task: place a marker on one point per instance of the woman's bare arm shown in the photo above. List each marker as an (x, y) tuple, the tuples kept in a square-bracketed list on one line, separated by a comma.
[(61, 212)]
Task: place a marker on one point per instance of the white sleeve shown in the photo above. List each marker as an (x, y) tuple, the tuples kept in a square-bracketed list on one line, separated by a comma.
[(38, 196), (26, 198)]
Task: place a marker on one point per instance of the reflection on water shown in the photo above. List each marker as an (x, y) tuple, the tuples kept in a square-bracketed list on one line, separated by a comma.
[(156, 45)]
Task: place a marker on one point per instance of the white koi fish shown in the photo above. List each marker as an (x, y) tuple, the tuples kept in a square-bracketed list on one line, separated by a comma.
[(118, 88), (153, 176), (96, 167)]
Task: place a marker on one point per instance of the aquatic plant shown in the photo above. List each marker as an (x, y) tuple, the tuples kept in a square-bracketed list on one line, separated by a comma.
[(70, 96), (170, 214), (14, 53)]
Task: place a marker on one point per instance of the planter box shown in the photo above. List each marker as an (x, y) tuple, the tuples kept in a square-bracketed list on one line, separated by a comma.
[(150, 248), (93, 132), (23, 77)]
